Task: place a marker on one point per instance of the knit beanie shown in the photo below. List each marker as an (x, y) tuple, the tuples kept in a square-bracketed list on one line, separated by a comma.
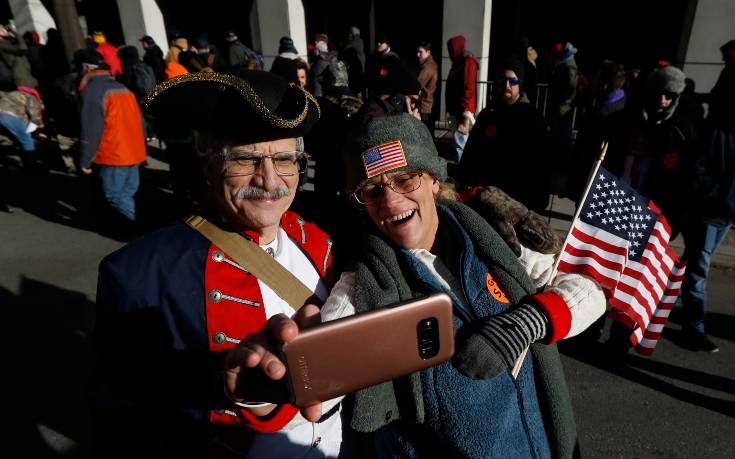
[(322, 46), (669, 79), (285, 45), (389, 144), (516, 66)]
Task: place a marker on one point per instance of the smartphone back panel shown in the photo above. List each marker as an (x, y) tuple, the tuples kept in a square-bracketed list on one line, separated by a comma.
[(342, 356)]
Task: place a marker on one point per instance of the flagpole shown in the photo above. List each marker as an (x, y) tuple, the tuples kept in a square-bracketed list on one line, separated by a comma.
[(578, 211), (593, 173)]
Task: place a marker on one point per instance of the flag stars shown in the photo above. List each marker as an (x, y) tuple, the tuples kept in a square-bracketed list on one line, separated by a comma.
[(589, 214)]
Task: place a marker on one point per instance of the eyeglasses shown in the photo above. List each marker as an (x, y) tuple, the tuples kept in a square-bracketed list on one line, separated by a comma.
[(514, 81), (401, 184), (284, 162)]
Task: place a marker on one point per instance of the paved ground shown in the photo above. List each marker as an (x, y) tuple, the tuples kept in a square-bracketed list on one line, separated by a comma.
[(676, 404)]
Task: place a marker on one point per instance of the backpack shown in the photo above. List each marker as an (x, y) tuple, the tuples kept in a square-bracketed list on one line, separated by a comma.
[(334, 75), (143, 78)]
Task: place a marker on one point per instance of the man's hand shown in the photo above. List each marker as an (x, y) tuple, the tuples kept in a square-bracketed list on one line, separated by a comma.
[(260, 350)]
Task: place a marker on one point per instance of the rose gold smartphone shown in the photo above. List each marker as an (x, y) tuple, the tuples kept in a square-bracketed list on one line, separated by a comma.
[(344, 355)]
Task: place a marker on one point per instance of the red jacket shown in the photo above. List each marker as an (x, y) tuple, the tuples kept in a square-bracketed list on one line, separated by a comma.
[(461, 93), (169, 307)]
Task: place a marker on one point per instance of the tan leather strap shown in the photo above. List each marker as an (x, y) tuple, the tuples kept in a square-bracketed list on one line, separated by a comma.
[(254, 259)]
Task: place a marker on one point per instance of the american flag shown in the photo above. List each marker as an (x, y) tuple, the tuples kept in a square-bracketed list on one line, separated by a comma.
[(622, 240), (383, 158)]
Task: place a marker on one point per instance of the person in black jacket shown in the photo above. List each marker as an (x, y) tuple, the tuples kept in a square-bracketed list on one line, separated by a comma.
[(509, 146), (154, 57)]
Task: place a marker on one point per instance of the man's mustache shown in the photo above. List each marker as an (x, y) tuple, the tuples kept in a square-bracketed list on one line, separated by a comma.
[(254, 192)]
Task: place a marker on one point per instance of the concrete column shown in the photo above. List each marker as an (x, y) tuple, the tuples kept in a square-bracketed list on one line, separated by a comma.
[(31, 15), (142, 17), (711, 28), (273, 19), (470, 18)]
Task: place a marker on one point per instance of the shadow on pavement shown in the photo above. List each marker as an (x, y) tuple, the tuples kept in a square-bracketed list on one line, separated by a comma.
[(636, 369), (718, 324), (47, 351), (72, 200)]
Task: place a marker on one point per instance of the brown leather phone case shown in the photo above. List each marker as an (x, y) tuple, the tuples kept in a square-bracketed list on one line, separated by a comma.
[(342, 356)]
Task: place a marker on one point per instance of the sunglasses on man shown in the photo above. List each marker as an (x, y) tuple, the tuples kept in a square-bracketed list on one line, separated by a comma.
[(514, 81)]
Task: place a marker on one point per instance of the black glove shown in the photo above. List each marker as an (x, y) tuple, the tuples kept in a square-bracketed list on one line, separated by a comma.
[(488, 346)]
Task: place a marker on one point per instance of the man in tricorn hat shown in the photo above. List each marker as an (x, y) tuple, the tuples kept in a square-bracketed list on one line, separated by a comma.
[(172, 304)]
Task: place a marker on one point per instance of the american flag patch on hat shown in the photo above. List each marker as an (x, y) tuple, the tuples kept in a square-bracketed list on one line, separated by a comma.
[(384, 158)]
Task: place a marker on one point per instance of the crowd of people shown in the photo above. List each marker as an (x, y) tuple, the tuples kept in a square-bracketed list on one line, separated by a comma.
[(187, 329)]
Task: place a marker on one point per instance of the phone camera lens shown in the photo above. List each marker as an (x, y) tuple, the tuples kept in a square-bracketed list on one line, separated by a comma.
[(427, 332)]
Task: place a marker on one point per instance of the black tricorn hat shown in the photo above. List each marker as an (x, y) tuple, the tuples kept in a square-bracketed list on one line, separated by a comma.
[(247, 106)]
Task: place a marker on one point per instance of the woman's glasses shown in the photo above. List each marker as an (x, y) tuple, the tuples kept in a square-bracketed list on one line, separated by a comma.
[(401, 184)]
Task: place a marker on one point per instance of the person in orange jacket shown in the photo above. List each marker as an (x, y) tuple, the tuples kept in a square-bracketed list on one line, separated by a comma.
[(112, 139)]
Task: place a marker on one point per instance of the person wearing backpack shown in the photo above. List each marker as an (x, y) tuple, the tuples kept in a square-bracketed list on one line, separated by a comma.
[(238, 55), (136, 75), (327, 68)]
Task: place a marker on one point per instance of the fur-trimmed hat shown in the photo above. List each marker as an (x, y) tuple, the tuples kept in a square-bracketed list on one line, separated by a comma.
[(244, 107), (669, 79), (389, 144)]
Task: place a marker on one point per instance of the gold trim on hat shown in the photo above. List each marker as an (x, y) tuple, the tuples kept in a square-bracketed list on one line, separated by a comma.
[(245, 90)]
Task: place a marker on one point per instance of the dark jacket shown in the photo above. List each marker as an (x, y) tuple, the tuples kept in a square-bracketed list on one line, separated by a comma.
[(591, 133), (375, 63), (722, 100), (154, 58), (659, 157), (157, 323), (509, 148), (461, 89), (13, 55)]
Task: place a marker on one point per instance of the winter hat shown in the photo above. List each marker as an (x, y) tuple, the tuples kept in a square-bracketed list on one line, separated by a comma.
[(99, 37), (516, 66), (285, 45), (322, 47), (668, 79), (90, 57), (389, 144), (355, 31)]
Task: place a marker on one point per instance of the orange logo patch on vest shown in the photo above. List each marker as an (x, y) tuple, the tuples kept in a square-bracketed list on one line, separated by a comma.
[(494, 289)]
